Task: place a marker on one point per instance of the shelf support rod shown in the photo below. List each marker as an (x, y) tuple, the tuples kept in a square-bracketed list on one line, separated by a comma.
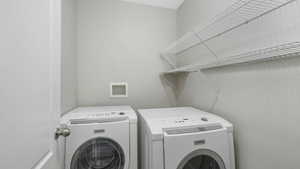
[(207, 47)]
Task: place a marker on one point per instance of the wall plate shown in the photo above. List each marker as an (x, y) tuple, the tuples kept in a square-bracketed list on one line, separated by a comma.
[(119, 90)]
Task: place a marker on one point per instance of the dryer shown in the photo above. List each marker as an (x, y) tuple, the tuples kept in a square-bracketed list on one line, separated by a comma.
[(185, 138), (101, 138)]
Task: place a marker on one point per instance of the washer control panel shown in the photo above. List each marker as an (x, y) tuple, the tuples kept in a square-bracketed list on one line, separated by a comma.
[(106, 115)]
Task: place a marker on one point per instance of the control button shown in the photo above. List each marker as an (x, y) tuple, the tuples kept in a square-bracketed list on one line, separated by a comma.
[(204, 119), (122, 113), (179, 121)]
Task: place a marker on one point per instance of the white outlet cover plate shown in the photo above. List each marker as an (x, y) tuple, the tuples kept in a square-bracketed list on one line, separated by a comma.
[(171, 4)]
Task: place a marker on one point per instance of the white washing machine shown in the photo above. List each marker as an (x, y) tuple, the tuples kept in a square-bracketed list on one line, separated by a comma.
[(185, 138), (101, 138)]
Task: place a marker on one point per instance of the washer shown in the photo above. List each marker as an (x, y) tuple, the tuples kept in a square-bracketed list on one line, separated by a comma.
[(185, 138), (101, 138)]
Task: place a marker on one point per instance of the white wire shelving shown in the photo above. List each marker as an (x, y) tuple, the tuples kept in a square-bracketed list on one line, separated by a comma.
[(239, 14), (272, 53)]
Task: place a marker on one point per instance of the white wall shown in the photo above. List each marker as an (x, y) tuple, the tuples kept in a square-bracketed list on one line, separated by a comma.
[(262, 99), (69, 63), (120, 42)]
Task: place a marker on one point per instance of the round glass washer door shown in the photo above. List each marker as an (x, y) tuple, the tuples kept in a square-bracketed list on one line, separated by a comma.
[(202, 159), (98, 153)]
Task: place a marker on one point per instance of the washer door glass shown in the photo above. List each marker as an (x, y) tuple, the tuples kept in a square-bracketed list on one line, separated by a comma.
[(99, 153), (202, 159)]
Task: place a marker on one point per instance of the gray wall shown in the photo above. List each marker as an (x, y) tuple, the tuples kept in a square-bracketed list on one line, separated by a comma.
[(69, 64), (262, 100), (120, 42)]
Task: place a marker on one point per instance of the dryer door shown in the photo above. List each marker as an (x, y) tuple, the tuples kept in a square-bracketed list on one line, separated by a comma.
[(197, 148), (202, 159)]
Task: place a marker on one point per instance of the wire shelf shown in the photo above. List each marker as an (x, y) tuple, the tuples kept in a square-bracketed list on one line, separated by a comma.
[(182, 44), (240, 13), (272, 53)]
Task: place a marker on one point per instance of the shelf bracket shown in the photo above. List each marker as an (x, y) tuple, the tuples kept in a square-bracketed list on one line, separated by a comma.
[(168, 61)]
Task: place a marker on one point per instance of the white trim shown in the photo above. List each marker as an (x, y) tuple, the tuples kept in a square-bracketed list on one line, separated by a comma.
[(119, 84), (170, 4), (50, 159), (55, 52), (44, 161)]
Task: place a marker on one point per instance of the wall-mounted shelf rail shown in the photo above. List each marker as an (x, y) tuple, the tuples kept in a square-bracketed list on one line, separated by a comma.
[(272, 53), (240, 13)]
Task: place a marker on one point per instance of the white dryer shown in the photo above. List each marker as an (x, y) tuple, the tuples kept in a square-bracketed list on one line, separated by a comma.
[(185, 138), (101, 138)]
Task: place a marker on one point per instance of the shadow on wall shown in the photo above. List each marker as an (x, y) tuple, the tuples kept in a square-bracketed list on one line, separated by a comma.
[(170, 84)]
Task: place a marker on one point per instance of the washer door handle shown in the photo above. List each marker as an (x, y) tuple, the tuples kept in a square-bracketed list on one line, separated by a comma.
[(199, 142)]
